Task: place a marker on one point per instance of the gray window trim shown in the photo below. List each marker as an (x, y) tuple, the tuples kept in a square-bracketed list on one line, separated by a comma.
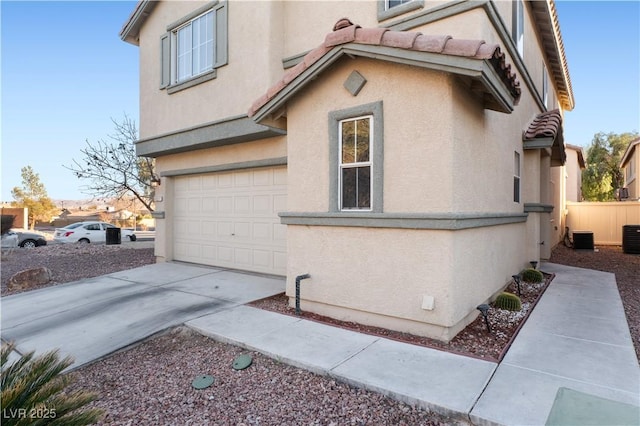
[(199, 11), (221, 47), (200, 78), (437, 221), (384, 13), (375, 109), (517, 24)]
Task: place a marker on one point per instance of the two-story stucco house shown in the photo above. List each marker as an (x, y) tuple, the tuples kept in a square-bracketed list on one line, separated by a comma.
[(399, 152), (630, 164)]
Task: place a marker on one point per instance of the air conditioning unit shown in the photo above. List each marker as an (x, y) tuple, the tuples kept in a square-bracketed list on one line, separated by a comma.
[(583, 240), (631, 239)]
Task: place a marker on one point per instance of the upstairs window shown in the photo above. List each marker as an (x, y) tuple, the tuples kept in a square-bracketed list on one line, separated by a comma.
[(516, 177), (194, 47), (545, 86), (517, 31), (388, 9), (355, 163)]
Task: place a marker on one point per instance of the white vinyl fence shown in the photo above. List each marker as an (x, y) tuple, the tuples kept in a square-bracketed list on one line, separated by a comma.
[(605, 220)]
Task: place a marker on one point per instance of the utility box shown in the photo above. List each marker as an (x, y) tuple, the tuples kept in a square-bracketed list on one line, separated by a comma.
[(631, 239), (114, 236), (583, 240)]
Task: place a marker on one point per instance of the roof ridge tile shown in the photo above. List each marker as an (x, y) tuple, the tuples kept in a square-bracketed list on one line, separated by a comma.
[(401, 39), (431, 43)]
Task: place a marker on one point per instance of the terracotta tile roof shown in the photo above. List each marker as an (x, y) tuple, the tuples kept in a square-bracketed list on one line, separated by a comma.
[(346, 32), (545, 125), (548, 125)]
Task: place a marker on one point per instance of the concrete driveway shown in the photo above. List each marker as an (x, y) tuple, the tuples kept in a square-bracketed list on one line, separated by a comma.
[(91, 318)]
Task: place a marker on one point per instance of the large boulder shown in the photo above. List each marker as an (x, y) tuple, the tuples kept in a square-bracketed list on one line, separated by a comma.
[(29, 278)]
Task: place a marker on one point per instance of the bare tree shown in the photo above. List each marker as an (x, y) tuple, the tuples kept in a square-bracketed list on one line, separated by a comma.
[(114, 169)]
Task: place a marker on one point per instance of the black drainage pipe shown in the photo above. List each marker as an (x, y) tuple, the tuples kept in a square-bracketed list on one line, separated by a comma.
[(298, 279)]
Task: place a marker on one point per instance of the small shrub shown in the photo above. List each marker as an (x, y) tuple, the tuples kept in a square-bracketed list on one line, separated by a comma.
[(532, 276), (508, 301), (33, 392)]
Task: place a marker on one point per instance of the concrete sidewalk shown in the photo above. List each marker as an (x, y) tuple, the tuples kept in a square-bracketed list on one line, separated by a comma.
[(572, 363)]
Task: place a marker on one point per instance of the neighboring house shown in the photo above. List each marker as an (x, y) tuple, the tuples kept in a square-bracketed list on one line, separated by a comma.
[(630, 164), (401, 157), (67, 217), (566, 182)]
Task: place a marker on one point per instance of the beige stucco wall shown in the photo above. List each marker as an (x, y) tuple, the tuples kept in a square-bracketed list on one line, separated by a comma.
[(382, 276), (255, 49), (417, 119)]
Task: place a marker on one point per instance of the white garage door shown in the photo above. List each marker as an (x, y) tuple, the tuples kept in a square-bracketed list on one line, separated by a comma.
[(230, 219)]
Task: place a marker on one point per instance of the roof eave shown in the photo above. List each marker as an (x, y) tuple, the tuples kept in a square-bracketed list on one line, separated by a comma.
[(627, 153), (547, 21), (130, 31), (499, 97)]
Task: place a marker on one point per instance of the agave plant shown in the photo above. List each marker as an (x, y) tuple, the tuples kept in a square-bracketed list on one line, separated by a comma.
[(33, 392)]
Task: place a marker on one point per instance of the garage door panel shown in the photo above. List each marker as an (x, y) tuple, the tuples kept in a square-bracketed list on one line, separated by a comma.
[(262, 204), (224, 180), (209, 205), (241, 230), (242, 204), (225, 205), (225, 230), (261, 231), (279, 203), (242, 179), (262, 177)]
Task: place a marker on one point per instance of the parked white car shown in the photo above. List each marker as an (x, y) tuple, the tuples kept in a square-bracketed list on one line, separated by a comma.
[(88, 232)]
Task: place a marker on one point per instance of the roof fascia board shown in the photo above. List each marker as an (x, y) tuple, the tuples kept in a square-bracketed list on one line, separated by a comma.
[(628, 151), (229, 131), (538, 143), (468, 67), (131, 29)]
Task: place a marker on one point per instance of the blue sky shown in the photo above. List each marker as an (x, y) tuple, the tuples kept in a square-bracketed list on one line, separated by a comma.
[(65, 73)]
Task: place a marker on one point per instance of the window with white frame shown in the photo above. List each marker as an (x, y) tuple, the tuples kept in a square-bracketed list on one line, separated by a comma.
[(355, 163), (545, 86), (516, 177), (194, 47), (517, 31), (631, 172)]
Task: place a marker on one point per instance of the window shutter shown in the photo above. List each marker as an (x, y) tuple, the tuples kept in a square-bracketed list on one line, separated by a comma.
[(165, 60), (221, 36)]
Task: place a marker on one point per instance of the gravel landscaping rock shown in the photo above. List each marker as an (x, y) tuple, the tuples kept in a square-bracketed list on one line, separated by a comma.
[(72, 262), (151, 384)]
